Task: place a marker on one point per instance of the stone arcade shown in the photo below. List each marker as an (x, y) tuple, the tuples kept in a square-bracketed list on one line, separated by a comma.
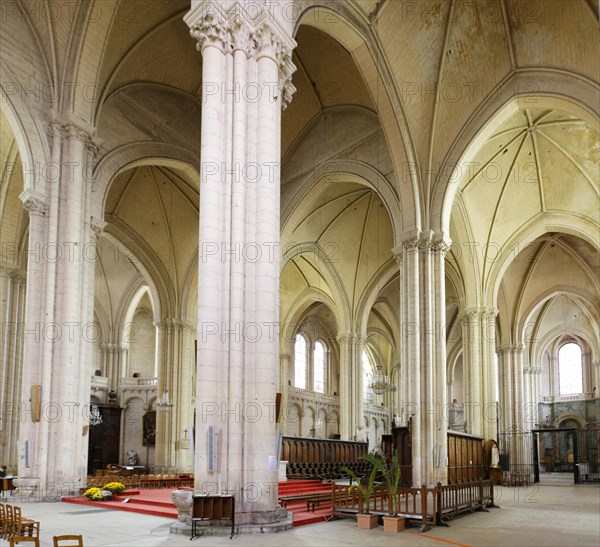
[(380, 210)]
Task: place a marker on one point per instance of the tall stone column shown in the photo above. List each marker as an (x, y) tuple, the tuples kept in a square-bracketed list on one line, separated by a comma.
[(71, 363), (411, 348), (246, 78), (32, 446), (471, 328), (12, 296), (396, 395), (479, 343), (439, 247), (176, 361), (284, 367), (530, 414), (347, 425), (518, 386), (162, 450), (423, 323), (58, 350), (358, 400)]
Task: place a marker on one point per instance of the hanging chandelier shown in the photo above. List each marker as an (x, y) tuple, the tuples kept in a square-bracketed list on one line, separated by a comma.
[(380, 383), (95, 416), (165, 403)]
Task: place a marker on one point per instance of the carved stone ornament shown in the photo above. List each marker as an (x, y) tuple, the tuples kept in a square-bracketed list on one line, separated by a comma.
[(258, 36), (35, 205)]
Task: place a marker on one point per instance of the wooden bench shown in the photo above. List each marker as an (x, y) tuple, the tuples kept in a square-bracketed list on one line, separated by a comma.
[(296, 497), (316, 499)]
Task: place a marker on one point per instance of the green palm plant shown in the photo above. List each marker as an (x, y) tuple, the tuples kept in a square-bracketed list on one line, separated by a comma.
[(392, 473), (366, 490)]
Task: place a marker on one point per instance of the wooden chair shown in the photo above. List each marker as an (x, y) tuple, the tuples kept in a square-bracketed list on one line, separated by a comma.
[(20, 540), (9, 520), (24, 526), (3, 522), (68, 541)]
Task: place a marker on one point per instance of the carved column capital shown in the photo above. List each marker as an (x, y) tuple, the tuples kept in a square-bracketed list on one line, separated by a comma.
[(97, 227), (398, 255), (471, 315), (441, 243), (254, 31), (34, 203), (345, 338)]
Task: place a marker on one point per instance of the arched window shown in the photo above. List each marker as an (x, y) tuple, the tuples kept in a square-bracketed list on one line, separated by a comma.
[(570, 370), (367, 378), (320, 368), (300, 362)]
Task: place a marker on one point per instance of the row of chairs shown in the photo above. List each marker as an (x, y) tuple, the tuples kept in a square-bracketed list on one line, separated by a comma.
[(135, 482), (324, 470), (59, 541), (166, 480), (13, 524), (131, 482)]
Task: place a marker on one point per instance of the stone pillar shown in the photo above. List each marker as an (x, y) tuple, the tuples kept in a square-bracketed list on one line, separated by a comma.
[(71, 363), (12, 297), (358, 400), (423, 310), (32, 445), (530, 415), (518, 387), (479, 346), (284, 376), (490, 374), (246, 78), (471, 322), (347, 425), (175, 373), (396, 396), (411, 347), (505, 371), (439, 247), (184, 396), (58, 332)]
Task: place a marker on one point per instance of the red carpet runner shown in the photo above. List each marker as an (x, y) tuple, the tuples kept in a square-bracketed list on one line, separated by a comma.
[(157, 502)]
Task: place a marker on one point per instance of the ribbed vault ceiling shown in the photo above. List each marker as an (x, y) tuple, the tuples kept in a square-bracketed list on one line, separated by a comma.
[(554, 271), (538, 161), (14, 220), (156, 208), (352, 227)]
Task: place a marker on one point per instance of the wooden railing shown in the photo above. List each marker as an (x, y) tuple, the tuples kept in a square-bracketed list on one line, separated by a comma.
[(427, 506), (461, 497), (415, 504)]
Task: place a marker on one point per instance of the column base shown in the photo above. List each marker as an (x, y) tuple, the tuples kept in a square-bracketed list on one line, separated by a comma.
[(27, 488), (245, 523)]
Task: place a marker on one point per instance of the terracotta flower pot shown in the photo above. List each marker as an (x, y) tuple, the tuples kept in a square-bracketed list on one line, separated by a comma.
[(393, 524), (366, 521)]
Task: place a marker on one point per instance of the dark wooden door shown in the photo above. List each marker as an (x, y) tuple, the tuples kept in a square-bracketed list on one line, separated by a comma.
[(402, 443), (104, 440)]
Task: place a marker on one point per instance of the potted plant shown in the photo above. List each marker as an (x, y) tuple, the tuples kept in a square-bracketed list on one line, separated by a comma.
[(364, 518), (392, 473), (115, 487)]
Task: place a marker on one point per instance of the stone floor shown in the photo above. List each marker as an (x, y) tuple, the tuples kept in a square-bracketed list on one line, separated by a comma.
[(534, 516)]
